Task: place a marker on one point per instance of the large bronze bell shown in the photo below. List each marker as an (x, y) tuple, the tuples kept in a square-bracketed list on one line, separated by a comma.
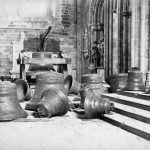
[(41, 66), (10, 108), (54, 103), (135, 81), (44, 81), (96, 106)]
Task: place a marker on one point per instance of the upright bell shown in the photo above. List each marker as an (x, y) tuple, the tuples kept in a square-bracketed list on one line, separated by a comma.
[(54, 103), (96, 106), (44, 81), (135, 81), (10, 108)]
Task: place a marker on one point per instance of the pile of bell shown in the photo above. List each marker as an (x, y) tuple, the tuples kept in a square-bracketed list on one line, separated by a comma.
[(45, 81), (92, 81), (135, 81), (95, 106), (10, 109)]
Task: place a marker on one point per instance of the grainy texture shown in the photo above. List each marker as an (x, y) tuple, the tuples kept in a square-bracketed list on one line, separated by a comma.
[(65, 133)]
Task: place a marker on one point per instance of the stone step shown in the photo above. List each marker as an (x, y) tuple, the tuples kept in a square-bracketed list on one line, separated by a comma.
[(136, 94), (131, 125), (130, 101), (130, 113)]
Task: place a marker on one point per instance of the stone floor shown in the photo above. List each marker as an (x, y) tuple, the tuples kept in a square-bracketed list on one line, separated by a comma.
[(69, 132)]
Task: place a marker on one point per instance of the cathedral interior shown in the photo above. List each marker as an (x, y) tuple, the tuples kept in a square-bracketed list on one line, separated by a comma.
[(75, 74)]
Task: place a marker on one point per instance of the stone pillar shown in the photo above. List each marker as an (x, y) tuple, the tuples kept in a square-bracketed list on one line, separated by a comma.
[(115, 39), (144, 63), (140, 35), (136, 31)]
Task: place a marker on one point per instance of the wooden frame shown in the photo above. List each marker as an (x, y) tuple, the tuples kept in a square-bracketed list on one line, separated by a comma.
[(54, 61)]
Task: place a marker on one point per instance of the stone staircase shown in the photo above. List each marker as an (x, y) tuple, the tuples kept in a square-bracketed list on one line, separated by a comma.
[(131, 112)]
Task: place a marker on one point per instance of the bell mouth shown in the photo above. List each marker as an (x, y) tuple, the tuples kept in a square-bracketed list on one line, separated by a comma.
[(134, 88), (68, 83), (30, 106), (23, 90), (117, 82), (42, 111)]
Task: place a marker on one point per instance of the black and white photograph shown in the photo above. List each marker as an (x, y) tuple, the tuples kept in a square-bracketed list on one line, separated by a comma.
[(74, 74)]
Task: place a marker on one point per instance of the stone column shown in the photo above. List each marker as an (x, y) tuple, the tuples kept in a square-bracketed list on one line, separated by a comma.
[(144, 63), (115, 39), (140, 35), (136, 31)]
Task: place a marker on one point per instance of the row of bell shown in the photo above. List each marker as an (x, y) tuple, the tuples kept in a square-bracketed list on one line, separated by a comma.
[(49, 99), (50, 93), (132, 81)]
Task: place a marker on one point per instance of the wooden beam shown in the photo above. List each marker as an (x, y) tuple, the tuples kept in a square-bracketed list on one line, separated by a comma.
[(27, 60)]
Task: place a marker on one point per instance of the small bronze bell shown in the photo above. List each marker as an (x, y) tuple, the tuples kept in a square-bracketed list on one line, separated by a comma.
[(68, 83), (117, 81), (96, 106), (135, 81), (23, 90), (75, 88), (10, 108), (44, 81), (54, 103), (41, 66)]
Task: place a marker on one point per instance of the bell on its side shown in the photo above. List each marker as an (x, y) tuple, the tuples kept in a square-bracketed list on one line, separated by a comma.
[(54, 103), (135, 81), (96, 106), (44, 81), (10, 108), (91, 81)]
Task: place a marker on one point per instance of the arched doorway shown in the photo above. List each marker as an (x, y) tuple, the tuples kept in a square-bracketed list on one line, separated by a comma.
[(111, 35)]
